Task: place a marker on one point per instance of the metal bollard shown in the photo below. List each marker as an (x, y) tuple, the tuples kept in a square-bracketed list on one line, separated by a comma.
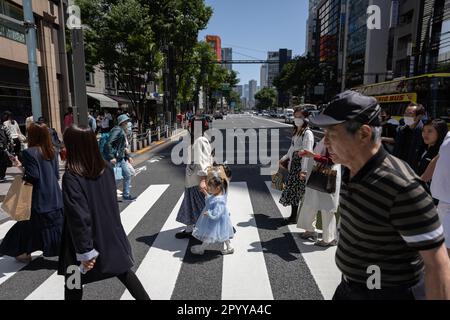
[(149, 136), (158, 133), (134, 143), (167, 131)]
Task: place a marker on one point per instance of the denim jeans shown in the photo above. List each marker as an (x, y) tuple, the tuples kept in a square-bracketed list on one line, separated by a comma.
[(126, 177)]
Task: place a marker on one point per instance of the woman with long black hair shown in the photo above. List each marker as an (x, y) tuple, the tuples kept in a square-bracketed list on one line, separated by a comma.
[(43, 231), (93, 235), (302, 139)]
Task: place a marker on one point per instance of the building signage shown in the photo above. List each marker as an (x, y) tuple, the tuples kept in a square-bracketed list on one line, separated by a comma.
[(405, 97)]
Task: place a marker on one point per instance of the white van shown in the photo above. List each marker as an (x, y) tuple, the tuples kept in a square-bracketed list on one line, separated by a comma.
[(289, 115)]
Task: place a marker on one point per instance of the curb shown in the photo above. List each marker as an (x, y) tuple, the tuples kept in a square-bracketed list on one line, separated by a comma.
[(156, 144)]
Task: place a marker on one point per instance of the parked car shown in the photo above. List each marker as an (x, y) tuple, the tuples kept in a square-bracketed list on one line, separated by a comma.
[(218, 115)]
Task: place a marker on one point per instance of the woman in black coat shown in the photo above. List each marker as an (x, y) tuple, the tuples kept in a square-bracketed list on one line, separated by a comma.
[(43, 231), (93, 234)]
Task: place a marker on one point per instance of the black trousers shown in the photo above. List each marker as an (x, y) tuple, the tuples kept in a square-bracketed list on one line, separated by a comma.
[(17, 149), (355, 291), (129, 279), (4, 162)]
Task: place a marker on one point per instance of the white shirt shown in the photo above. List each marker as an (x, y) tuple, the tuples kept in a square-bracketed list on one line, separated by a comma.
[(199, 163), (300, 142), (105, 121), (14, 129), (440, 185)]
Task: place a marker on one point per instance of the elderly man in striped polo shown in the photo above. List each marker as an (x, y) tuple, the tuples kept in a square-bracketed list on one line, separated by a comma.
[(391, 242)]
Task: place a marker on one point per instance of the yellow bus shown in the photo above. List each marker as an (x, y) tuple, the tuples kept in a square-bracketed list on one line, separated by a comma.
[(431, 90)]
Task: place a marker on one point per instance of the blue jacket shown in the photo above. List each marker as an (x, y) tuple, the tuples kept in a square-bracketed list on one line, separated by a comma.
[(44, 175), (116, 144)]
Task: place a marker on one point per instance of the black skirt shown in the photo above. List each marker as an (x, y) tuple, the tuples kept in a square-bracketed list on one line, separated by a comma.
[(41, 233), (295, 188)]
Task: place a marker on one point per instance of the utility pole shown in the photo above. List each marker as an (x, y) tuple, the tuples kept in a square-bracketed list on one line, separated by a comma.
[(80, 107), (172, 85), (32, 60)]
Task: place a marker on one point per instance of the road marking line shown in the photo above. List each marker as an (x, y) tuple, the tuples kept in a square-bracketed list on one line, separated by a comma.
[(53, 287), (320, 262), (159, 270), (245, 275)]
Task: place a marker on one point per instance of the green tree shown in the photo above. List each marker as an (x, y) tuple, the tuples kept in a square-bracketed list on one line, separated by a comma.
[(177, 23), (120, 40), (265, 98), (302, 74)]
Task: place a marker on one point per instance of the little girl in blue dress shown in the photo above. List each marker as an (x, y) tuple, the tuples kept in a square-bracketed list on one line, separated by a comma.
[(214, 224)]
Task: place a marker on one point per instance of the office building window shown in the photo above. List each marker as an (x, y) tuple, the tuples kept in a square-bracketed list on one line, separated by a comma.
[(10, 29), (90, 79), (110, 81)]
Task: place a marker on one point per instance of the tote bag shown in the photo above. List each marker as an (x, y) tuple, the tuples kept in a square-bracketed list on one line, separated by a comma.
[(323, 179), (17, 202), (118, 172)]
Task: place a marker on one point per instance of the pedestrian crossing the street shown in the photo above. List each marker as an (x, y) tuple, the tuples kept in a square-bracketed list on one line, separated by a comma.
[(168, 270)]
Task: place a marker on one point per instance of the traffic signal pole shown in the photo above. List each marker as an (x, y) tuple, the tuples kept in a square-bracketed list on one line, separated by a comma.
[(32, 59)]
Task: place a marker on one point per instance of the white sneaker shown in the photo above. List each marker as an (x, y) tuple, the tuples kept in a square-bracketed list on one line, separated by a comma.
[(227, 251), (197, 250)]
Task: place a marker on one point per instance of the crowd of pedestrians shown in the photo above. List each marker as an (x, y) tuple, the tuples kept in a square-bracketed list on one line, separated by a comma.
[(381, 187)]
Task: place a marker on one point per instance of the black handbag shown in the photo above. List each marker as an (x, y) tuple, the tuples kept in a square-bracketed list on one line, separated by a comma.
[(323, 179)]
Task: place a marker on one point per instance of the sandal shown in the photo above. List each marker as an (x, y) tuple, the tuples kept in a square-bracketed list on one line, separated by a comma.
[(322, 243), (309, 235)]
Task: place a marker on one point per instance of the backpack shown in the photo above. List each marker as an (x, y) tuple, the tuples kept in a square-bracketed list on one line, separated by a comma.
[(102, 145)]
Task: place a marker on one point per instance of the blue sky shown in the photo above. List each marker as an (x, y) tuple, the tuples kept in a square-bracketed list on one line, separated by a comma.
[(253, 27)]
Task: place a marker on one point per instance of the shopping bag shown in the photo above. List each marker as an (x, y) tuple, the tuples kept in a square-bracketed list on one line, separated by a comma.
[(118, 172), (17, 202), (279, 179), (131, 169), (323, 179)]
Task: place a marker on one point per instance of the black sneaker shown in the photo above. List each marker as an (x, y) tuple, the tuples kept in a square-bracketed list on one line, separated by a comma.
[(129, 198), (183, 234)]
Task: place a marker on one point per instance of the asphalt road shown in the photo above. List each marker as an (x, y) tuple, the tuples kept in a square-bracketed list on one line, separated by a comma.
[(270, 260)]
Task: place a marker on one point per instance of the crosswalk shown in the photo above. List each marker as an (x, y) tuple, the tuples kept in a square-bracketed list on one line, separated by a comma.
[(248, 274)]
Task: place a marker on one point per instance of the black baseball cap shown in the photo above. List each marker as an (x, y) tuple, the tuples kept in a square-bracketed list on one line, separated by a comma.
[(347, 106)]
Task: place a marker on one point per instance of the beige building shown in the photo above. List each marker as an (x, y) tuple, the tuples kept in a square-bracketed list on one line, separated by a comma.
[(51, 58)]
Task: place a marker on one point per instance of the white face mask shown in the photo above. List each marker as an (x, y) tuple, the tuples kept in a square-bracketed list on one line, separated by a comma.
[(299, 122), (409, 121)]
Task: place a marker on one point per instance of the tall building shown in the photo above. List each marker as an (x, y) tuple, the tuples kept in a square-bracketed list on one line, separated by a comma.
[(246, 91), (264, 76), (311, 26), (216, 43), (434, 37), (239, 90), (252, 86), (227, 54), (273, 68), (285, 56), (329, 45), (405, 30), (15, 94), (365, 51)]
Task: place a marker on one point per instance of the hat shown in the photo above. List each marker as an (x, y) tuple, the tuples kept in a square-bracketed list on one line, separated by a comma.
[(122, 118), (347, 106)]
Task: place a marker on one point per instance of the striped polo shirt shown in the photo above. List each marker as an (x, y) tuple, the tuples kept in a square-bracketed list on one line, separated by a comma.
[(387, 217)]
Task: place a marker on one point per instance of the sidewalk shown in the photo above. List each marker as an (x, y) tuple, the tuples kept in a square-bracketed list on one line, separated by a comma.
[(176, 135), (12, 172)]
